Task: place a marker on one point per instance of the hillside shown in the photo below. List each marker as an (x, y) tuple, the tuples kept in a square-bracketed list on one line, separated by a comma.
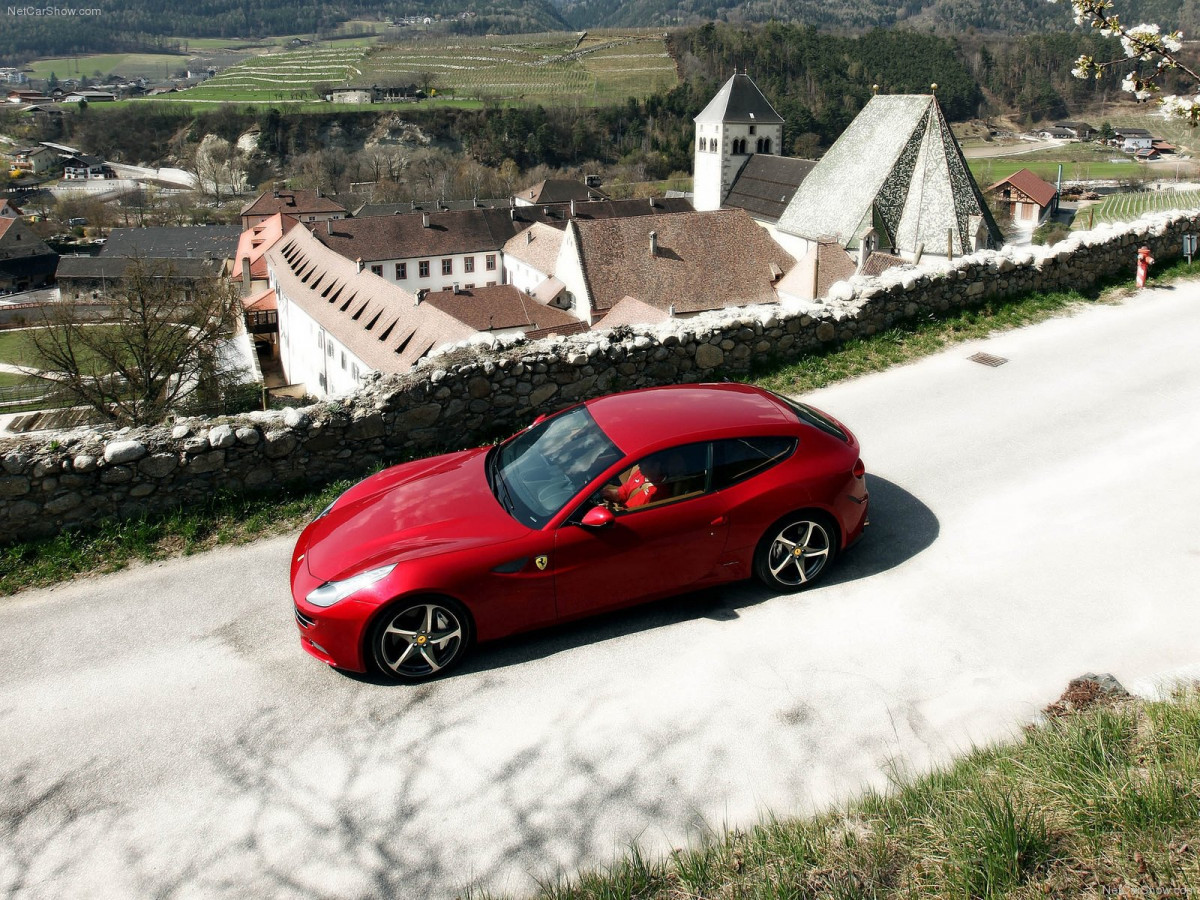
[(945, 16), (125, 25)]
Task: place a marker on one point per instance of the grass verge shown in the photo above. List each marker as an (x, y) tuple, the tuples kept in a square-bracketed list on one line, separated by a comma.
[(230, 520), (1099, 802), (113, 545)]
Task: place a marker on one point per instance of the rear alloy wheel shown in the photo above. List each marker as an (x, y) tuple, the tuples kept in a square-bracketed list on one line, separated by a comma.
[(796, 551), (421, 640)]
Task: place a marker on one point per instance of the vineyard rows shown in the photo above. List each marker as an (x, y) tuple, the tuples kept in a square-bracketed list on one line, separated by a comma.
[(524, 68), (1127, 207)]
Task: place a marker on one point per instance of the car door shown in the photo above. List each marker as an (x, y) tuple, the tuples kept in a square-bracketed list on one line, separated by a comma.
[(648, 551)]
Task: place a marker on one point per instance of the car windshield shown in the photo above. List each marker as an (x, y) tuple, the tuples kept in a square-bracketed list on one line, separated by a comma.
[(540, 470)]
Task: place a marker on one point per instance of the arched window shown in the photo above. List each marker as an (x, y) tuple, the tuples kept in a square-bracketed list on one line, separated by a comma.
[(766, 145)]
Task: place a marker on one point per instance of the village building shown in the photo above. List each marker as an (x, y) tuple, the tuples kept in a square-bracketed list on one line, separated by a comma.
[(81, 167), (26, 261), (649, 269), (895, 180), (338, 321), (557, 191), (36, 160), (1081, 131), (180, 254), (303, 205), (736, 124), (1028, 199)]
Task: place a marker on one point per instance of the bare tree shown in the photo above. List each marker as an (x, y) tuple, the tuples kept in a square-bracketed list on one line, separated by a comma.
[(159, 346)]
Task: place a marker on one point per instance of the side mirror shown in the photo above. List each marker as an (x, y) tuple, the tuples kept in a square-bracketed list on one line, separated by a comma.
[(597, 517)]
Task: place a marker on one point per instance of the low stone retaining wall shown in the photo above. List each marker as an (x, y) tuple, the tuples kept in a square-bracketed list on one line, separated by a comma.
[(54, 481)]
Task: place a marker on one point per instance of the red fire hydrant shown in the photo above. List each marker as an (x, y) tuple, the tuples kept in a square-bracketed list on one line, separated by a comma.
[(1144, 262)]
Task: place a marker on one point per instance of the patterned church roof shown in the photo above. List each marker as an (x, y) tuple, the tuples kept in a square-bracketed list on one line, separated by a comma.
[(897, 168)]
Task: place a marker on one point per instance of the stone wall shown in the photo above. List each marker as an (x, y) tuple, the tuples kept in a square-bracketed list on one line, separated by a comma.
[(470, 394)]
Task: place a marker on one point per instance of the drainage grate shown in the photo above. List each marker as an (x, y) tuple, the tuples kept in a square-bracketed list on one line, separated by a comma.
[(987, 359)]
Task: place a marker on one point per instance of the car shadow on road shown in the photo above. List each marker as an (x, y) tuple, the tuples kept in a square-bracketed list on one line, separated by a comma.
[(901, 527)]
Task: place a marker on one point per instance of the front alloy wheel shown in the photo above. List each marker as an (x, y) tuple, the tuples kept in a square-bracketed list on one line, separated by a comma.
[(796, 552), (422, 640)]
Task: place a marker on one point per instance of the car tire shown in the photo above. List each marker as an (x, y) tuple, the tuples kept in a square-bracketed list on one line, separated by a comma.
[(796, 551), (420, 638)]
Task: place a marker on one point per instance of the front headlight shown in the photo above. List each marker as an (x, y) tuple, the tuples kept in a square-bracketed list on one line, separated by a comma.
[(332, 591)]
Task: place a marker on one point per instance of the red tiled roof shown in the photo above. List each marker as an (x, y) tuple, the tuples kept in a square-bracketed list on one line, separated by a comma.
[(261, 302), (256, 240), (294, 203), (497, 308), (1042, 193), (705, 260), (381, 323), (559, 190)]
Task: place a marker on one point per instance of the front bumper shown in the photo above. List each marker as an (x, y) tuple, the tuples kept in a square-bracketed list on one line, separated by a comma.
[(333, 634)]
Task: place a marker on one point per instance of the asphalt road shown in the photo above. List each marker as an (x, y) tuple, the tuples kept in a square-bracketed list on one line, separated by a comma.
[(162, 734)]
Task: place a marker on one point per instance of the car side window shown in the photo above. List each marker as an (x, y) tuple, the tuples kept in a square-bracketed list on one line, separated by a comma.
[(663, 477), (737, 459)]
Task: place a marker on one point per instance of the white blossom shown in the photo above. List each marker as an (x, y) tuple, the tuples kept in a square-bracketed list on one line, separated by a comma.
[(1140, 41)]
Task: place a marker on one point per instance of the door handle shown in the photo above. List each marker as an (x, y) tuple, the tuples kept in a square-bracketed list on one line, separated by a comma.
[(719, 520)]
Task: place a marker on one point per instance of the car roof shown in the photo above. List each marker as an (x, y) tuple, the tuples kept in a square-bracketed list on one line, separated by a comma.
[(640, 420)]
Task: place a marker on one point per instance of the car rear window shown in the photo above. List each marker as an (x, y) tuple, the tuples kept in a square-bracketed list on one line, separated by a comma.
[(740, 458), (810, 416)]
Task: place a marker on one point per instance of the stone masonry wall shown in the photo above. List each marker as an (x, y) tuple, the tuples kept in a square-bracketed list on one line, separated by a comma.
[(50, 482)]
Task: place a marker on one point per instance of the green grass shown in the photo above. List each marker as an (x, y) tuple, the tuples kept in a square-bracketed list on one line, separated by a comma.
[(989, 171), (1102, 801), (133, 65), (17, 349), (114, 545)]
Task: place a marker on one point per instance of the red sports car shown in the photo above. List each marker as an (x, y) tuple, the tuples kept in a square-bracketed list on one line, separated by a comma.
[(617, 501)]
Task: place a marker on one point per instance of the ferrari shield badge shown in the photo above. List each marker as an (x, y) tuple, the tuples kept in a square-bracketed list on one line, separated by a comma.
[(541, 562)]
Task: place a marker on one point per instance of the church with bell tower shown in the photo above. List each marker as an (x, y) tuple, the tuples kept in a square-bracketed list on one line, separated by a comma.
[(737, 123)]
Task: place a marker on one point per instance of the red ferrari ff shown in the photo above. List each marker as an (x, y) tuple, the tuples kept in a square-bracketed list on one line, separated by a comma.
[(617, 501)]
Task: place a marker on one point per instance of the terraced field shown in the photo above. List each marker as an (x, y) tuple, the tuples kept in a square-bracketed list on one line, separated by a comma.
[(556, 68), (1127, 207)]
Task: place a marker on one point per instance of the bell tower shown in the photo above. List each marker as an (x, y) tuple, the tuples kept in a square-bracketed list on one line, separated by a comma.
[(737, 123)]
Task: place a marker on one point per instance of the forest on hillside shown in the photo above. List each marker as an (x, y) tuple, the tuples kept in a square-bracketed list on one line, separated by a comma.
[(127, 25)]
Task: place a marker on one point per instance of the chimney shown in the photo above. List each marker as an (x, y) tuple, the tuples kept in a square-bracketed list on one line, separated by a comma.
[(652, 203), (671, 310), (512, 214), (246, 274), (863, 253), (419, 296), (318, 193), (412, 205), (528, 236), (654, 243), (475, 203), (329, 226), (189, 251), (275, 192), (456, 287), (424, 220), (359, 264), (572, 208)]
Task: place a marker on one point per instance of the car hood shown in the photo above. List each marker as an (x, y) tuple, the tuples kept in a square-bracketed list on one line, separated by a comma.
[(418, 509)]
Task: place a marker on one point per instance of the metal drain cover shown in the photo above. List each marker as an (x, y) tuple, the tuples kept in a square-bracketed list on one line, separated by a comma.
[(986, 359)]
